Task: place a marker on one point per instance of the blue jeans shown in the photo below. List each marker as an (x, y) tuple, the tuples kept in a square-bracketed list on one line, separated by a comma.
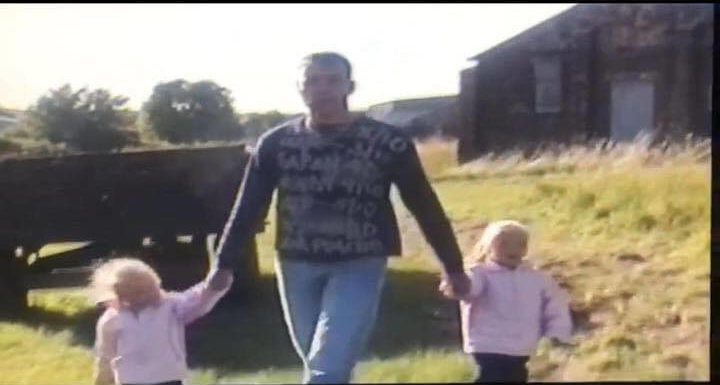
[(330, 310)]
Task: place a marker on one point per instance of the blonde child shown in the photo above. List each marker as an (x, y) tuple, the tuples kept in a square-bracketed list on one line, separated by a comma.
[(140, 337), (509, 306)]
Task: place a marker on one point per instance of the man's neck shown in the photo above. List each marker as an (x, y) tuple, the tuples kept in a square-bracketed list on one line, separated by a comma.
[(315, 119)]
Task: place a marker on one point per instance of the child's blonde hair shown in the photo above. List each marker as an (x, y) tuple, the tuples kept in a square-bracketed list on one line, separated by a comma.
[(107, 276), (495, 229)]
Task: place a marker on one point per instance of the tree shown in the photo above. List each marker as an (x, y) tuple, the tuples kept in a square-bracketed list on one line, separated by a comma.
[(83, 120), (256, 123), (183, 112)]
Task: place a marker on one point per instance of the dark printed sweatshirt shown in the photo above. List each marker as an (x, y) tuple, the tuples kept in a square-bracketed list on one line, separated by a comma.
[(333, 201)]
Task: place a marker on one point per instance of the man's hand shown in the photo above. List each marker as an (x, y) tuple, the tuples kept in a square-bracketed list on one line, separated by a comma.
[(455, 285), (219, 279)]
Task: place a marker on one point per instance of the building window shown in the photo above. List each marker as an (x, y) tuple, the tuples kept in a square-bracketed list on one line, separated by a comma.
[(548, 84)]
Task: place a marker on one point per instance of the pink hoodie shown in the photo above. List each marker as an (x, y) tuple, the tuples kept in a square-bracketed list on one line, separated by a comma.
[(508, 311), (150, 347)]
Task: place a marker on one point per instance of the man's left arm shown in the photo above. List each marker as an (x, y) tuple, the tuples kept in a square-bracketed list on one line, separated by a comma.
[(420, 198)]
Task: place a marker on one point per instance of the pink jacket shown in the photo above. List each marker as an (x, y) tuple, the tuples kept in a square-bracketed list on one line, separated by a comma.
[(508, 311), (150, 347)]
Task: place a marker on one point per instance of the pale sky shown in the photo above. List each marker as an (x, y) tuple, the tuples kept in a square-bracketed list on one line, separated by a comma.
[(397, 50)]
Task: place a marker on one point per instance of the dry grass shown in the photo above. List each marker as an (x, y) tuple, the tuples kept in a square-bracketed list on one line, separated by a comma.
[(437, 155), (601, 155)]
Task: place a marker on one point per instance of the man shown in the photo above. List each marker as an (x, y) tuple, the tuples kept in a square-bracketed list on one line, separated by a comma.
[(335, 223)]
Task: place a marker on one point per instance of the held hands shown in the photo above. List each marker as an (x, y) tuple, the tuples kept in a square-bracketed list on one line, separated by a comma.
[(445, 289), (455, 285), (219, 279)]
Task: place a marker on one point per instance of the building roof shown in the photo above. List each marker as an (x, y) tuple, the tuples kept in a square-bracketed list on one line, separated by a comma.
[(402, 112), (9, 120), (555, 33), (531, 33)]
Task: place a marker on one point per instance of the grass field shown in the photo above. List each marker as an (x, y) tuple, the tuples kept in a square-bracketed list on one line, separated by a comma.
[(625, 230)]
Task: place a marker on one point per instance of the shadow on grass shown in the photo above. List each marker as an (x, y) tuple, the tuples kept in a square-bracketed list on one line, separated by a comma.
[(414, 315), (81, 325), (252, 335)]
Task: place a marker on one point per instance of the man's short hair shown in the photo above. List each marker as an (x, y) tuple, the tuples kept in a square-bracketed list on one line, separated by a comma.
[(328, 58)]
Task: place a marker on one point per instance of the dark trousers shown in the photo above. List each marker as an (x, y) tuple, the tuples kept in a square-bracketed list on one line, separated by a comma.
[(501, 368)]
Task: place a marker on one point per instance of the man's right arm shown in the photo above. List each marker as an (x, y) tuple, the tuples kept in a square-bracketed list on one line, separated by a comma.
[(250, 208)]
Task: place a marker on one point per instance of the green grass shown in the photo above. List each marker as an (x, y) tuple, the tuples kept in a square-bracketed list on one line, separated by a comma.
[(38, 356), (420, 366), (56, 248), (626, 232)]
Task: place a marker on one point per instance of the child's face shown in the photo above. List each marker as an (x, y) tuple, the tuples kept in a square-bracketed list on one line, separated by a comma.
[(508, 249), (138, 291)]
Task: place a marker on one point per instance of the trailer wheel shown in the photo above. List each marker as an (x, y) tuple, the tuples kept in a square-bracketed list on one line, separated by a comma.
[(13, 294)]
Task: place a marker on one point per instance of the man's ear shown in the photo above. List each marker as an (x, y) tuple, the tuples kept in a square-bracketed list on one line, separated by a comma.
[(352, 87)]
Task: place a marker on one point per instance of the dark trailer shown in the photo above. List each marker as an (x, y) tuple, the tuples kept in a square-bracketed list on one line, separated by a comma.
[(140, 202)]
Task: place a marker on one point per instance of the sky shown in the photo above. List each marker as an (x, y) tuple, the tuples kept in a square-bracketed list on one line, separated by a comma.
[(398, 51)]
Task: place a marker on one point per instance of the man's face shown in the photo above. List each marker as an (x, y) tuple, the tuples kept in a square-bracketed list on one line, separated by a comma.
[(324, 86)]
